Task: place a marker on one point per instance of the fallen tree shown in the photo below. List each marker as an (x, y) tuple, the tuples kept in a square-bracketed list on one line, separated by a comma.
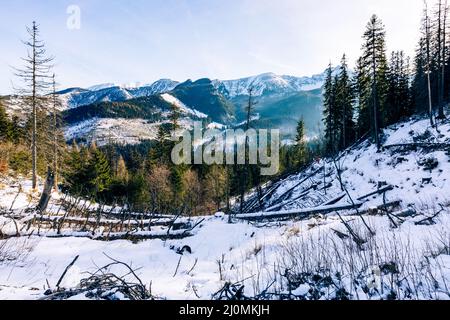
[(299, 213)]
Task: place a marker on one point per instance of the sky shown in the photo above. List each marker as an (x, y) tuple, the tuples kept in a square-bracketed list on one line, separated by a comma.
[(141, 41)]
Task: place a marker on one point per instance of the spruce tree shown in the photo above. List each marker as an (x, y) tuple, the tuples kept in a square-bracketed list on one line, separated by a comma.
[(74, 175), (4, 125), (398, 98), (329, 110), (345, 98), (301, 147), (374, 60), (439, 53), (160, 152), (174, 118), (419, 84), (98, 173), (362, 92)]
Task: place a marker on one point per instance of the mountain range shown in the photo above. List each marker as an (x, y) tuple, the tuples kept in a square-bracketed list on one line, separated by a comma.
[(132, 114)]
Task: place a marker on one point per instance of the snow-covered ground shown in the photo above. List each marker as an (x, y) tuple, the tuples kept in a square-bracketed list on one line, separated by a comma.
[(403, 253), (121, 131)]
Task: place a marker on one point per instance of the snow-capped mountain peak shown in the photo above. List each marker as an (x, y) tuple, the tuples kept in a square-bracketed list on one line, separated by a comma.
[(77, 97), (102, 86), (269, 83)]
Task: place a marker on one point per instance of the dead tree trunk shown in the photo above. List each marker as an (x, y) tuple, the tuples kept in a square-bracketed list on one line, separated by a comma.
[(46, 193)]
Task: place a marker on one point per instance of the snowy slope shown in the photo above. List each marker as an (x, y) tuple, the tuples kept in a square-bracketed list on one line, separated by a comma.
[(133, 130), (363, 169), (402, 255), (182, 107), (121, 131)]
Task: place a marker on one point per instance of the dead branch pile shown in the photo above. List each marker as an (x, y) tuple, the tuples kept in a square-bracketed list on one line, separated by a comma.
[(106, 285)]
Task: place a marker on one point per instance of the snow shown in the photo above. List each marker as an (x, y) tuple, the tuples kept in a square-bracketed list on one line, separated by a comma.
[(118, 130), (256, 254), (185, 109), (121, 130), (269, 83)]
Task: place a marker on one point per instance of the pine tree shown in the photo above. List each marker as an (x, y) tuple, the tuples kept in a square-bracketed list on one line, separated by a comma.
[(345, 98), (374, 60), (398, 97), (428, 63), (4, 125), (174, 118), (247, 172), (98, 173), (404, 87), (74, 175), (160, 154), (330, 111), (300, 132), (439, 53), (419, 84), (16, 131), (176, 180), (301, 148), (362, 91)]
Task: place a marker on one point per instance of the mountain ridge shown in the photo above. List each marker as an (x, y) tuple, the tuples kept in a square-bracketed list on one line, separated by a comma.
[(267, 83)]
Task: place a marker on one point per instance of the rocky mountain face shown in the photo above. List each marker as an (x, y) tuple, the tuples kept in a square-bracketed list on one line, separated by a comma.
[(99, 111)]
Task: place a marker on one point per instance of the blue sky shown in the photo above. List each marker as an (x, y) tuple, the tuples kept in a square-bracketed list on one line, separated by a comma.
[(145, 40)]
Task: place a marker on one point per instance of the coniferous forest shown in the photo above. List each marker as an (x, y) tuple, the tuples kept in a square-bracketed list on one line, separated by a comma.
[(357, 210)]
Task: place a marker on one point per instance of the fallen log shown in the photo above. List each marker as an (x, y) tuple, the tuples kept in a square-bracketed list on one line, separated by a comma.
[(297, 213), (91, 222), (379, 191), (384, 207), (336, 199), (419, 145), (283, 196), (131, 236)]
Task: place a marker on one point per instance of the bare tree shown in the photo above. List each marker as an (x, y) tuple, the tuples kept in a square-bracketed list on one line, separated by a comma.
[(36, 77), (244, 176)]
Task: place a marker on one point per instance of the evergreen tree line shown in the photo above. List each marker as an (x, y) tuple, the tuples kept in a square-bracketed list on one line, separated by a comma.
[(33, 142), (144, 182), (383, 91), (144, 178), (16, 140)]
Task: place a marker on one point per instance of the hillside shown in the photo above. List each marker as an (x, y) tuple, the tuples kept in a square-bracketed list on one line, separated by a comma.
[(135, 112), (203, 96), (127, 122), (284, 111), (301, 241)]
